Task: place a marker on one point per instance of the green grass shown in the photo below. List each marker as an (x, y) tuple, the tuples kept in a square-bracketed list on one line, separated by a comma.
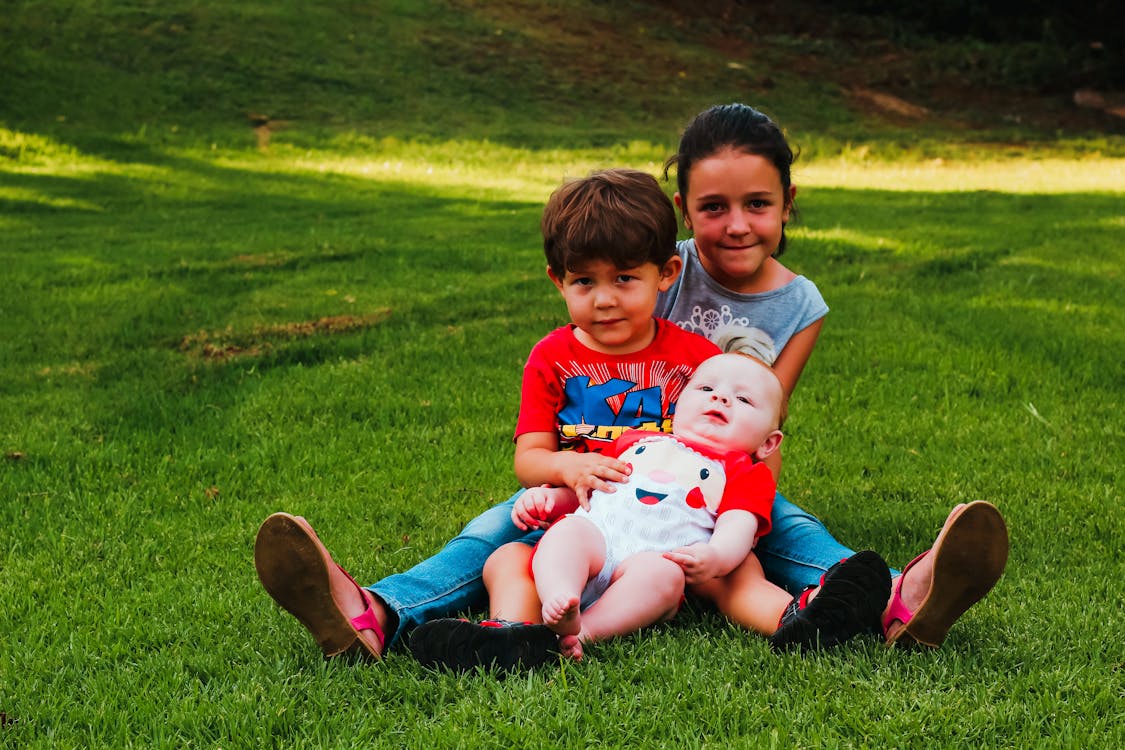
[(197, 334)]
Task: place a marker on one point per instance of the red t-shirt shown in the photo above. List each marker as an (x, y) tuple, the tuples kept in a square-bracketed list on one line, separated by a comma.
[(588, 398)]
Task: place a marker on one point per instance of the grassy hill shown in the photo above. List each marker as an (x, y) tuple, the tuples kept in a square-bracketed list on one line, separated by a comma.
[(536, 74)]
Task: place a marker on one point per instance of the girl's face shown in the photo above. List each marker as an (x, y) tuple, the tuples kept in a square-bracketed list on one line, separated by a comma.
[(736, 210)]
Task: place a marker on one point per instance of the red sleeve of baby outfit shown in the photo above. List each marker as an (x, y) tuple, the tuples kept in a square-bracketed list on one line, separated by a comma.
[(750, 486)]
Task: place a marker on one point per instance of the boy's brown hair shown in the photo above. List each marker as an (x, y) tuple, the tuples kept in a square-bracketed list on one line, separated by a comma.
[(621, 216)]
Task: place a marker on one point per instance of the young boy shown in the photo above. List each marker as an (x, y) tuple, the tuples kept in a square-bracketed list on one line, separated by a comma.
[(614, 367), (610, 242)]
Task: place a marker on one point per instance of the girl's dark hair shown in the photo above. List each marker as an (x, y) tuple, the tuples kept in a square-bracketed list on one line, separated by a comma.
[(735, 126)]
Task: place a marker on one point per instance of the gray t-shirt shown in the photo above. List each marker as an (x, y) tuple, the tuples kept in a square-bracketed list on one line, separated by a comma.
[(764, 321)]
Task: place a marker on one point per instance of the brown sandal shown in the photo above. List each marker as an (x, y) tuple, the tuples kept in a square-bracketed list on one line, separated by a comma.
[(297, 571), (969, 557)]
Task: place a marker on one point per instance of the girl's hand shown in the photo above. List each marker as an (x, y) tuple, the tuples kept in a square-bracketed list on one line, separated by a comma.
[(700, 562)]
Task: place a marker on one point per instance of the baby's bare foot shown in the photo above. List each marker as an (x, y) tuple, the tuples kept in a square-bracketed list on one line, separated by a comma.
[(561, 614), (570, 647)]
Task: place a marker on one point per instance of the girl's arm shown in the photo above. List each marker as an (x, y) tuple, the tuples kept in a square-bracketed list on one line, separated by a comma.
[(539, 461), (791, 362), (788, 367)]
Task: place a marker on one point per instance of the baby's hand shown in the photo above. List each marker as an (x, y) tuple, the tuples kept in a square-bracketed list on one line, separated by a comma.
[(592, 471), (533, 509), (699, 562)]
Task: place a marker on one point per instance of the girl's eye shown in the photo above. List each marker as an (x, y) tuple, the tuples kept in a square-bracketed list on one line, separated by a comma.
[(711, 208), (758, 204)]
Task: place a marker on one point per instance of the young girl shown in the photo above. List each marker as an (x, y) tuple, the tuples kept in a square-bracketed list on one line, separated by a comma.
[(735, 195)]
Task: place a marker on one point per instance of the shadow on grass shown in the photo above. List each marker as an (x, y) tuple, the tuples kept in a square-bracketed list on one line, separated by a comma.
[(168, 245)]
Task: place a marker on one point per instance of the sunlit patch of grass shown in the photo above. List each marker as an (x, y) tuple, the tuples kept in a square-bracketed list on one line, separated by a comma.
[(1040, 176)]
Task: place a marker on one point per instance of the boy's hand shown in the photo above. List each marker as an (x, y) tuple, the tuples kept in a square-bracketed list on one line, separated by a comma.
[(700, 562), (586, 472)]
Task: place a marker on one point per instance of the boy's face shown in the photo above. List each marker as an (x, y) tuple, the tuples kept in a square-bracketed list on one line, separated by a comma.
[(612, 307), (731, 403)]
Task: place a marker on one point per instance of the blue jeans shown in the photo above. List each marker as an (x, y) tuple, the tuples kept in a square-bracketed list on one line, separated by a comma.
[(794, 554)]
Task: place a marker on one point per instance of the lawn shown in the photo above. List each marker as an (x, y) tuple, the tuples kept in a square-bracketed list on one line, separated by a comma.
[(198, 333)]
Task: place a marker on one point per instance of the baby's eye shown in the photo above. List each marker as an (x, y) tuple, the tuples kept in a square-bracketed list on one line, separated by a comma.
[(705, 388), (744, 400)]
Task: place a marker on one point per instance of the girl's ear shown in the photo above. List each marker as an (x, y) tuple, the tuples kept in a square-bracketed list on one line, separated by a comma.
[(680, 205), (789, 204), (769, 445)]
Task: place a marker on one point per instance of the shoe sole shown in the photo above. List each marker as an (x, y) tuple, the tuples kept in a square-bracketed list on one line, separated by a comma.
[(464, 646), (969, 558), (294, 569)]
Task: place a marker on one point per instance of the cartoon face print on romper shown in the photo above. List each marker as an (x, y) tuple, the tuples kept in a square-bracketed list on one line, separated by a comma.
[(665, 470)]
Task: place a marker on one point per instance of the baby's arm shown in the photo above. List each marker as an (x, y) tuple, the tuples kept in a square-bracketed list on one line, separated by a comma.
[(539, 461), (731, 542), (539, 507)]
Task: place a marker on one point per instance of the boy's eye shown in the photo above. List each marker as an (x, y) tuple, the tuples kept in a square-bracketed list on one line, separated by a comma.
[(625, 278), (581, 281)]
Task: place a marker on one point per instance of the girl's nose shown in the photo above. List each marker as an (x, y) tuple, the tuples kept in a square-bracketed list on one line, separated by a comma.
[(737, 223)]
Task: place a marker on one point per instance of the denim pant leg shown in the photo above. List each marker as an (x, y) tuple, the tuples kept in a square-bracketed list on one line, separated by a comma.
[(450, 581), (798, 548)]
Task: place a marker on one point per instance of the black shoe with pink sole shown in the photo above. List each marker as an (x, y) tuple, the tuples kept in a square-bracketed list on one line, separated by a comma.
[(853, 594)]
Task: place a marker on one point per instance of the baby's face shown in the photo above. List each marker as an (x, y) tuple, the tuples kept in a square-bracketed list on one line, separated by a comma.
[(731, 403)]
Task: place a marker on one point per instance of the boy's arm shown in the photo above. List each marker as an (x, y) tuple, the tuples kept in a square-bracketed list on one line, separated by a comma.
[(731, 542), (539, 461)]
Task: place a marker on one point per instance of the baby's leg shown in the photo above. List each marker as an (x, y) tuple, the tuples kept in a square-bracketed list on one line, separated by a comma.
[(746, 597), (645, 589), (569, 554), (511, 592)]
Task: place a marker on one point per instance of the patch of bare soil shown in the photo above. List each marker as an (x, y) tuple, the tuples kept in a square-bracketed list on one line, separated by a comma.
[(218, 346)]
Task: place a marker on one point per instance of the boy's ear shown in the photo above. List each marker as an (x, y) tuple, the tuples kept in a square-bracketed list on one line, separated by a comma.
[(554, 279), (769, 445), (670, 272)]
